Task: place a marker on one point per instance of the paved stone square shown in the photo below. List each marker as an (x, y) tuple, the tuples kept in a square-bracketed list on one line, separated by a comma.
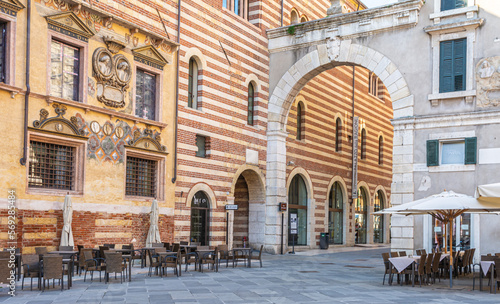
[(340, 275)]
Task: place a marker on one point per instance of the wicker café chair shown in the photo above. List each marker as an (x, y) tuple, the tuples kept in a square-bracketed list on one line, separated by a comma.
[(435, 267), (136, 254), (170, 260), (421, 269), (188, 256), (110, 246), (257, 257), (157, 245), (154, 262), (31, 269), (224, 254), (428, 266), (92, 264), (175, 247), (114, 264), (183, 243), (41, 251), (210, 258), (53, 269), (402, 253), (4, 271), (394, 254)]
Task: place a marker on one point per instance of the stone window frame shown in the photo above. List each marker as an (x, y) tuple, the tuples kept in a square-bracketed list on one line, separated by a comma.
[(439, 36), (159, 87), (207, 147), (80, 160), (83, 67), (244, 12), (469, 10), (447, 137), (160, 171), (10, 62)]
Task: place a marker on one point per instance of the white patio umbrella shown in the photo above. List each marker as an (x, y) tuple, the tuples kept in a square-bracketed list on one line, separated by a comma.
[(154, 231), (489, 193), (67, 232), (445, 207)]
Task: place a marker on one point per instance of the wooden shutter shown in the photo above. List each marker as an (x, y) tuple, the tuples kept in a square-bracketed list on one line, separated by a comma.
[(452, 68), (459, 56), (432, 153), (470, 150)]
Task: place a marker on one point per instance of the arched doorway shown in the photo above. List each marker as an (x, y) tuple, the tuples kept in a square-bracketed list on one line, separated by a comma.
[(361, 216), (240, 222), (297, 211), (200, 218), (336, 214), (378, 219)]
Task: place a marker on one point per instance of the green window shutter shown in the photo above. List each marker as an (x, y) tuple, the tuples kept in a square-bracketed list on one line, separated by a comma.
[(432, 153), (459, 59), (470, 150), (452, 67)]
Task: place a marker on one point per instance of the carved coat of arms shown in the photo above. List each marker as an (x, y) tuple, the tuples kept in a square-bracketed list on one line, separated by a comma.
[(113, 74)]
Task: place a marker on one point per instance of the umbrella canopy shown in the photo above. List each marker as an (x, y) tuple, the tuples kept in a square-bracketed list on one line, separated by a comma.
[(67, 232), (154, 231), (489, 193), (445, 206)]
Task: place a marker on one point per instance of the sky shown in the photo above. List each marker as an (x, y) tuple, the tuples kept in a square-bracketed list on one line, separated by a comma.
[(374, 3)]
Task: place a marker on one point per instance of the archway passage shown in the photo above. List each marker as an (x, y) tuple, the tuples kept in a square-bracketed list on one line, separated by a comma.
[(200, 219), (241, 216)]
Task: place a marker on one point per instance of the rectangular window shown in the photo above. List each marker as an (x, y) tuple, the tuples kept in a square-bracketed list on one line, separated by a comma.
[(64, 65), (453, 153), (3, 51), (51, 166), (452, 68), (201, 142), (141, 177), (239, 7), (452, 4), (145, 98), (225, 3)]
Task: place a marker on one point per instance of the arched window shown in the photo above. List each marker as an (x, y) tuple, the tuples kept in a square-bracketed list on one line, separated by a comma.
[(193, 84), (200, 215), (303, 19), (251, 103), (363, 144), (294, 17), (338, 135), (336, 214), (297, 211), (381, 150), (378, 220), (360, 216), (300, 120)]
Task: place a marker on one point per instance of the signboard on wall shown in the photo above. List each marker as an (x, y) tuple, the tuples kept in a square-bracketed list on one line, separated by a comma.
[(355, 135), (282, 206), (293, 223), (231, 207)]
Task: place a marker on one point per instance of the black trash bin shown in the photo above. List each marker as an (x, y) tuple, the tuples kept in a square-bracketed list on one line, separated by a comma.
[(323, 240)]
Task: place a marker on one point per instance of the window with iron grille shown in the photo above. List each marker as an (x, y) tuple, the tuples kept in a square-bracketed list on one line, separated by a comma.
[(65, 74), (51, 166), (3, 51), (141, 177)]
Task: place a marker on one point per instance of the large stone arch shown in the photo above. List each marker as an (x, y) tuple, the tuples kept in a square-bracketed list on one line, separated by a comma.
[(317, 59), (255, 181)]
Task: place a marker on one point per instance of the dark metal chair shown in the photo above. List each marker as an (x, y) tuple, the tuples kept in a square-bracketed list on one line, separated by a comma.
[(31, 269), (92, 264)]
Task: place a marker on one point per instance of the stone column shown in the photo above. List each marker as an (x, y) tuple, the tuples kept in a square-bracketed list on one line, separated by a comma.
[(230, 221), (276, 188), (402, 187)]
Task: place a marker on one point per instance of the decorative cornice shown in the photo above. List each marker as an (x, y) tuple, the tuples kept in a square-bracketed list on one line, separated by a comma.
[(58, 121), (447, 120), (452, 26), (68, 23), (147, 140), (149, 55), (11, 7)]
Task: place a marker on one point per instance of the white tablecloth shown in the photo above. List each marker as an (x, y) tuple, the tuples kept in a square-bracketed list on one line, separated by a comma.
[(400, 263), (485, 266)]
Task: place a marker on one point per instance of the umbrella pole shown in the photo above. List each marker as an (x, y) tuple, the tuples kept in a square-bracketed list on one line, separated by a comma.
[(451, 256), (444, 239)]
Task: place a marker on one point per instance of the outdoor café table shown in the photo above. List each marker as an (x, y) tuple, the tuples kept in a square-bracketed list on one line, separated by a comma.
[(486, 266), (401, 263), (69, 261), (246, 252)]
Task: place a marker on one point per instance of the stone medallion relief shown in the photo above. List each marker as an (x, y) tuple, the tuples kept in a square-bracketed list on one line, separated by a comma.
[(488, 82), (113, 74)]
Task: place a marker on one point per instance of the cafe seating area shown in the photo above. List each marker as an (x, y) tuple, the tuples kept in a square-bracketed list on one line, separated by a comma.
[(49, 270), (423, 268)]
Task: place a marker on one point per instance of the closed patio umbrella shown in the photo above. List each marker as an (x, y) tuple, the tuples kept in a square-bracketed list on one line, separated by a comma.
[(154, 231), (445, 207), (67, 232)]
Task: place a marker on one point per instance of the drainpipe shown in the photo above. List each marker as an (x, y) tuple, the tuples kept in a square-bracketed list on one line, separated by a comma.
[(282, 10), (177, 88), (353, 106), (28, 88)]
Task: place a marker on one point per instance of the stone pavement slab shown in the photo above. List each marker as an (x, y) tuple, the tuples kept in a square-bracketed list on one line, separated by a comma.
[(345, 275)]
